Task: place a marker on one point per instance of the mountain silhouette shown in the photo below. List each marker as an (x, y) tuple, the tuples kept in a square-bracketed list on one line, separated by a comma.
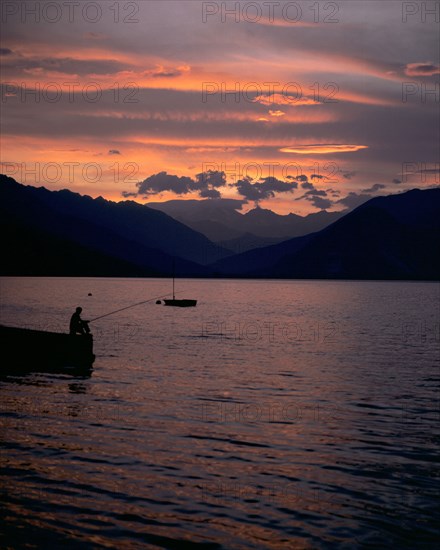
[(221, 221), (122, 236), (63, 233), (391, 237)]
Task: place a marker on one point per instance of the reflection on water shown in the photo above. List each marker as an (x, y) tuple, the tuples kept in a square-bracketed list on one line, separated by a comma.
[(77, 388), (275, 414)]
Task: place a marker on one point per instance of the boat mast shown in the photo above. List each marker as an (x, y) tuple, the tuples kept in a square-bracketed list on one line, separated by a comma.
[(173, 280)]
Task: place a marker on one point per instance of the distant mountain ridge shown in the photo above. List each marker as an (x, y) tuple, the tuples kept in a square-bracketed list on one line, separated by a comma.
[(221, 222), (390, 237)]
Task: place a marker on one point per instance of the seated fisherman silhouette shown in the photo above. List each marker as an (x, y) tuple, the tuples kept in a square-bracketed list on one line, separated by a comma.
[(78, 325)]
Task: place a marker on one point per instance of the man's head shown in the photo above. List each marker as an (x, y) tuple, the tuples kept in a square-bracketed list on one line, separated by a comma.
[(79, 309)]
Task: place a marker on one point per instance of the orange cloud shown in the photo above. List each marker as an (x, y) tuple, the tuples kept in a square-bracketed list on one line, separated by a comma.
[(323, 149), (284, 99), (161, 71), (276, 113)]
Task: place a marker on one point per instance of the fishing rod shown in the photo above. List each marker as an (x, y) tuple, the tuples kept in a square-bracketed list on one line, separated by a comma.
[(128, 307)]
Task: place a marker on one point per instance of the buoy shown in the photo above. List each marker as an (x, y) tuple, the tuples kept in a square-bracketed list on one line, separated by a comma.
[(89, 294)]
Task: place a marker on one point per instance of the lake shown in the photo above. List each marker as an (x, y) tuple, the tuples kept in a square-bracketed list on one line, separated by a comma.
[(275, 414)]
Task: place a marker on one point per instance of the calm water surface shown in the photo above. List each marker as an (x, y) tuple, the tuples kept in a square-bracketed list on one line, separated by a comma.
[(275, 414)]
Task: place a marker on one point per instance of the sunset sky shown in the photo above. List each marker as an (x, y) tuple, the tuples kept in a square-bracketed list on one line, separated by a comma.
[(335, 101)]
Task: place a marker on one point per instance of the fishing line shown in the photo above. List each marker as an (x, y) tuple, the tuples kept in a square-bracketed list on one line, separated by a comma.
[(128, 307)]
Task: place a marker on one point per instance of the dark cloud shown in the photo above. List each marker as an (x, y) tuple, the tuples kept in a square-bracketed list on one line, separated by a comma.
[(66, 65), (210, 194), (316, 192), (82, 67), (302, 177), (265, 188), (160, 72), (317, 176), (204, 184), (348, 175), (214, 178), (207, 182), (114, 152), (278, 186), (5, 51), (246, 189), (422, 69), (307, 185), (157, 183), (312, 190), (316, 196), (352, 200), (397, 181), (374, 188), (319, 202)]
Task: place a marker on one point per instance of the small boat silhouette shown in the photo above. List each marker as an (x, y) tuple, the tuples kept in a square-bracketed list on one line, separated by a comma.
[(178, 302)]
